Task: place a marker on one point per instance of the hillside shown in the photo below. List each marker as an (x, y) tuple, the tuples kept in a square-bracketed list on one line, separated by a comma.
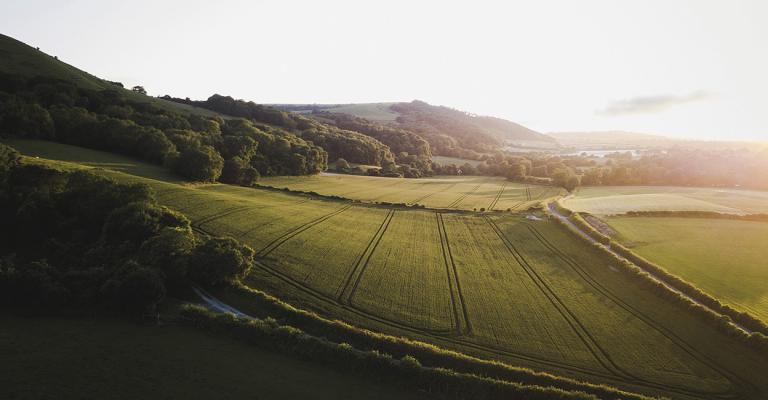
[(18, 58), (449, 132)]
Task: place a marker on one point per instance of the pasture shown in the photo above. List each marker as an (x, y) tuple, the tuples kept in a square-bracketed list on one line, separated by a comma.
[(609, 200), (725, 258), (493, 285), (445, 192)]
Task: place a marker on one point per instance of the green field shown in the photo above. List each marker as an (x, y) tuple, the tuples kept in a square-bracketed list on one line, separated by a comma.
[(442, 160), (373, 111), (446, 192), (609, 200), (725, 258), (69, 358), (493, 285)]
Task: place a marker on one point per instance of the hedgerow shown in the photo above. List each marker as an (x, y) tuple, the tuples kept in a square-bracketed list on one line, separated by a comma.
[(405, 371)]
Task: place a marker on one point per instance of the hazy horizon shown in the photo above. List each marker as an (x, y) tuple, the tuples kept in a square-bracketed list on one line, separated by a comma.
[(692, 69)]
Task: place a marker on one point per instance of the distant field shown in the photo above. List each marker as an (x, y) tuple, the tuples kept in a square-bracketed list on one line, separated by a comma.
[(77, 358), (372, 111), (608, 200), (456, 161), (449, 192), (726, 258), (493, 285)]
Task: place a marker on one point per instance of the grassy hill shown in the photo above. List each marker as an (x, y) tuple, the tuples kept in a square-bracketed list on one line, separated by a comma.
[(450, 132), (21, 59), (496, 286)]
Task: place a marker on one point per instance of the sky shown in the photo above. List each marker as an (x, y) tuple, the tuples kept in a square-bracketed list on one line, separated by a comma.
[(693, 69)]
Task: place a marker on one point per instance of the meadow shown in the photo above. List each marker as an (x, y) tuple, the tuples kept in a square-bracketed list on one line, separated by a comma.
[(608, 200), (495, 285), (445, 192), (725, 258)]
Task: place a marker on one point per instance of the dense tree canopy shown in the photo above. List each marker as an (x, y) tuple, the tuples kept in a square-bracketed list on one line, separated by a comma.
[(78, 239)]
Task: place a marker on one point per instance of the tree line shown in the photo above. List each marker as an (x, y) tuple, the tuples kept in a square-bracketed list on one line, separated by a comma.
[(74, 239), (727, 167), (202, 148), (338, 142)]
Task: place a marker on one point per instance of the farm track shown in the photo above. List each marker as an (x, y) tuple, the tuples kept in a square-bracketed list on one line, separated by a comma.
[(457, 298), (357, 270), (428, 195), (600, 355), (498, 196), (277, 242), (229, 211), (679, 342), (463, 196)]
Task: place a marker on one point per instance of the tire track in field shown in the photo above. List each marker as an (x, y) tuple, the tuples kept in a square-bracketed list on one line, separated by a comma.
[(498, 196), (442, 335), (600, 355), (679, 342), (428, 195), (453, 281), (356, 272), (464, 196), (277, 242), (221, 214)]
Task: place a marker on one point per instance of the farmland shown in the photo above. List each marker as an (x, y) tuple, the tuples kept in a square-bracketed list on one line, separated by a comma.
[(490, 284), (447, 192), (725, 258), (609, 200)]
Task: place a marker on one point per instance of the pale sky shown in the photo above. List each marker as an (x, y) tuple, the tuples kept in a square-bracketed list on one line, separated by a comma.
[(681, 68)]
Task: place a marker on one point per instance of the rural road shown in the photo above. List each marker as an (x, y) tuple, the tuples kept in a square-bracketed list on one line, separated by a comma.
[(582, 233)]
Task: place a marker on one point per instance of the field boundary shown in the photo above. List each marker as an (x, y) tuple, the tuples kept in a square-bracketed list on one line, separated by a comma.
[(680, 343)]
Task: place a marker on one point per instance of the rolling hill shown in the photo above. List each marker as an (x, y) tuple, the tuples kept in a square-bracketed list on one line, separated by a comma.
[(450, 132)]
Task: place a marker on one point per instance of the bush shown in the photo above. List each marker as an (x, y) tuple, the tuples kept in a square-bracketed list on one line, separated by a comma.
[(202, 164), (220, 260)]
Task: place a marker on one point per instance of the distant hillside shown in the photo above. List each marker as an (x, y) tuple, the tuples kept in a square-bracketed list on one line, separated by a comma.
[(610, 139), (449, 132), (18, 58)]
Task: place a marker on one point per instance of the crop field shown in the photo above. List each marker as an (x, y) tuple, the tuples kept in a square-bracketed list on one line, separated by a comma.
[(450, 192), (609, 200), (726, 258), (501, 286), (443, 160)]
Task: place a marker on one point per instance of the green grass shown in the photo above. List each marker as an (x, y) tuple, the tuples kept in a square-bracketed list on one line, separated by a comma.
[(492, 285), (725, 258), (449, 192), (373, 111), (76, 358), (608, 200)]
